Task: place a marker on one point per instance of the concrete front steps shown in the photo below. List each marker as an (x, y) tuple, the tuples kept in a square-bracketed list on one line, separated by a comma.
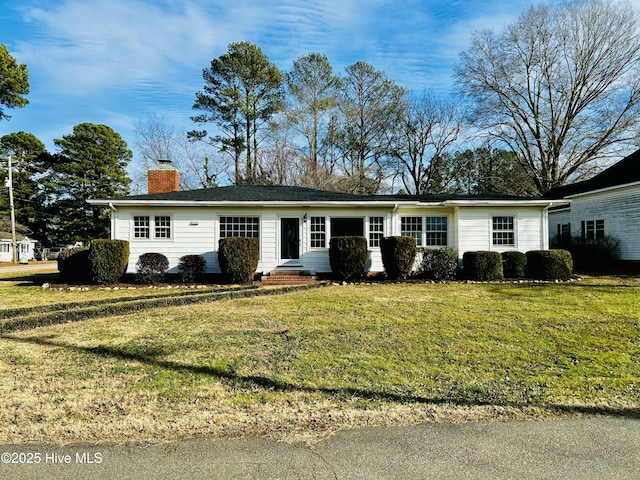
[(289, 277)]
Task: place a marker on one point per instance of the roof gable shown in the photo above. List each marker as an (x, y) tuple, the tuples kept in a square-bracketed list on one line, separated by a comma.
[(624, 172)]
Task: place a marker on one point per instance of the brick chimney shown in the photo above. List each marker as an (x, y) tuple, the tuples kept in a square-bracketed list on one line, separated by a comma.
[(163, 178)]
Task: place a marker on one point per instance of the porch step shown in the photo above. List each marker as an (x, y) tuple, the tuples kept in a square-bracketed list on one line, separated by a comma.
[(289, 277)]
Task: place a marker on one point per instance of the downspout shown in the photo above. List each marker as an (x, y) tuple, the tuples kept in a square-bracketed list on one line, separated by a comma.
[(394, 221), (113, 220)]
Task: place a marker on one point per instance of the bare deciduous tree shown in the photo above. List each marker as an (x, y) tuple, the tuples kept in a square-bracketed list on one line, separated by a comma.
[(560, 86), (429, 126)]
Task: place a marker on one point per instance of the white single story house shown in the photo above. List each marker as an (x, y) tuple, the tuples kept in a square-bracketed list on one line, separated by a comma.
[(24, 245), (607, 204), (294, 225)]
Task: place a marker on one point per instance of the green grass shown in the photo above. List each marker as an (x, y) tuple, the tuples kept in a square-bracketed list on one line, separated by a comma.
[(322, 359)]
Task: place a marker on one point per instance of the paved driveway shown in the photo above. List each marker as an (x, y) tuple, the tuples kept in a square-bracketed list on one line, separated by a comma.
[(600, 448)]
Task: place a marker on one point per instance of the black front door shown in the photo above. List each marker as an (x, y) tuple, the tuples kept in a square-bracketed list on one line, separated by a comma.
[(289, 238)]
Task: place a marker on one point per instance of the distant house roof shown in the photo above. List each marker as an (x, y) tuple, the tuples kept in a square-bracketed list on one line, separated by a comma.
[(624, 172), (253, 194)]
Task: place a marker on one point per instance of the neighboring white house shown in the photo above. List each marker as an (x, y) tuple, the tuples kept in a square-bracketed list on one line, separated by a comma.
[(607, 204), (25, 247), (294, 225)]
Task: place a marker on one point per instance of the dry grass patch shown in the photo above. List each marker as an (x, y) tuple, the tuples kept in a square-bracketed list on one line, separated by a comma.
[(301, 365)]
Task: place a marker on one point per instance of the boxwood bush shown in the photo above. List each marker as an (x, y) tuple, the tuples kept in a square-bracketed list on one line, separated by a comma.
[(348, 257), (439, 263), (151, 268), (109, 260), (192, 268), (238, 258), (398, 255), (74, 266), (513, 264), (549, 264), (482, 266)]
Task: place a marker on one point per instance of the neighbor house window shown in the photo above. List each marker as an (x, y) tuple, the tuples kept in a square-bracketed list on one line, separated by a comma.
[(240, 227), (5, 248), (436, 232), (504, 231), (376, 231), (592, 229), (412, 227), (318, 232), (162, 226), (141, 227)]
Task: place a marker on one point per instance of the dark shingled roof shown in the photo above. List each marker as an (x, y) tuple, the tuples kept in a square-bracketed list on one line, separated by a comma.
[(625, 171), (254, 193)]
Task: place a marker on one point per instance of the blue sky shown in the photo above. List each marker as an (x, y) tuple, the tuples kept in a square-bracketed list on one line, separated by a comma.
[(119, 61)]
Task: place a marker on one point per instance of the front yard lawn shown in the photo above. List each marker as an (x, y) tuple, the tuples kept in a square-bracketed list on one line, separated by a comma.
[(300, 365)]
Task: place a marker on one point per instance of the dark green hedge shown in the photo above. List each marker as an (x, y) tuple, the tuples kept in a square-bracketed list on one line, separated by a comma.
[(398, 255), (482, 266), (348, 257), (109, 260), (192, 268), (549, 264), (74, 266), (514, 264), (238, 258), (439, 263)]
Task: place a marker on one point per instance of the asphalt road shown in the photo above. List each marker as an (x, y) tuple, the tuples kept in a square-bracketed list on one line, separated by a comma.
[(32, 267), (600, 448)]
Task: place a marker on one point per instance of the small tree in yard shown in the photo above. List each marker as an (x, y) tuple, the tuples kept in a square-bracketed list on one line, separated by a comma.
[(151, 268)]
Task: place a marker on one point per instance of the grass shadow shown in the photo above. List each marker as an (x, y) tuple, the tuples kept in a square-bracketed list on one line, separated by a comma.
[(150, 358)]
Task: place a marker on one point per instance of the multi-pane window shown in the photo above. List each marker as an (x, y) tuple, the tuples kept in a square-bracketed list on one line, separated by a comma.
[(376, 231), (593, 229), (141, 227), (240, 227), (5, 248), (412, 227), (436, 232), (504, 231), (318, 232), (162, 226)]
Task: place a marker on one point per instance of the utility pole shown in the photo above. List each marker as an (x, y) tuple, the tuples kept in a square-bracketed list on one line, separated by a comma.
[(13, 213)]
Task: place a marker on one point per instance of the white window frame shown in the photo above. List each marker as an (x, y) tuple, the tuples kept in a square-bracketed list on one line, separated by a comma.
[(409, 232), (223, 233), (162, 230), (142, 231), (437, 232), (496, 242), (318, 238), (376, 230)]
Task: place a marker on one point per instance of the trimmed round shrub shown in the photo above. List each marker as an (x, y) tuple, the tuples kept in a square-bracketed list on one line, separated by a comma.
[(513, 264), (74, 266), (549, 264), (482, 266), (192, 268), (398, 255), (439, 263), (348, 257), (238, 258), (151, 268), (109, 260)]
